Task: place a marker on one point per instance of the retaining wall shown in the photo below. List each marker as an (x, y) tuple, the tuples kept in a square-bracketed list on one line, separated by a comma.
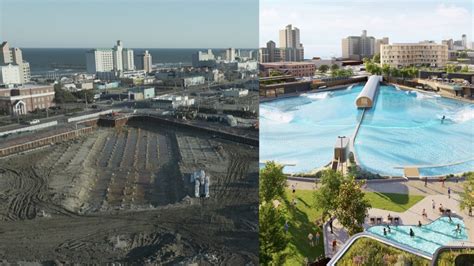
[(44, 141)]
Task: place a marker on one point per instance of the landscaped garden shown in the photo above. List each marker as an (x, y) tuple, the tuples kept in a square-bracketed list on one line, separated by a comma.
[(366, 251), (304, 216)]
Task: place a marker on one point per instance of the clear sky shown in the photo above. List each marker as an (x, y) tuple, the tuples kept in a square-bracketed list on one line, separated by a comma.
[(323, 23), (138, 23)]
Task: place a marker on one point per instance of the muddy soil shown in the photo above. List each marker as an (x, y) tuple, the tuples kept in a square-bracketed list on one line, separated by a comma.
[(123, 195)]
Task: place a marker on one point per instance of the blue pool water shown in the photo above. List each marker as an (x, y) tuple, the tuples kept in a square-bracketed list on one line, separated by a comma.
[(403, 129), (427, 238)]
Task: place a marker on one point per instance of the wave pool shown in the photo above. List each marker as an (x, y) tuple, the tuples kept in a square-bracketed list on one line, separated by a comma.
[(403, 129)]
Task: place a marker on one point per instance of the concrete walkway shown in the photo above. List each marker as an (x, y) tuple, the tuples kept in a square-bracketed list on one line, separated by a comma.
[(412, 187)]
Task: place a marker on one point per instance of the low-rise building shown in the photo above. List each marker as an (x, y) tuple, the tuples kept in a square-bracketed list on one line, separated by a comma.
[(106, 85), (170, 102), (193, 81), (297, 69), (141, 93), (279, 85), (412, 54), (233, 92), (23, 99)]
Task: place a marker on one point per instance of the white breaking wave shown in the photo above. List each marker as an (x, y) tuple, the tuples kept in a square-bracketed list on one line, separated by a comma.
[(462, 115), (275, 115), (426, 95), (317, 96), (350, 87)]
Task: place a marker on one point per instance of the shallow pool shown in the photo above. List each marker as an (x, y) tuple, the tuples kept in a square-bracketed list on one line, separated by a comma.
[(403, 129), (427, 238)]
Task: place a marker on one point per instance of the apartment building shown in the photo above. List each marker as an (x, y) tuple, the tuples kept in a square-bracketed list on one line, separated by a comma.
[(412, 54)]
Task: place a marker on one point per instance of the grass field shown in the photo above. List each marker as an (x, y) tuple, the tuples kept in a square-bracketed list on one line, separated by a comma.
[(301, 220), (391, 201)]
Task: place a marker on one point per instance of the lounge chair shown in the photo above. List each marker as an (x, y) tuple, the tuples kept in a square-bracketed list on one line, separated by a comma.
[(372, 220), (379, 220), (396, 220)]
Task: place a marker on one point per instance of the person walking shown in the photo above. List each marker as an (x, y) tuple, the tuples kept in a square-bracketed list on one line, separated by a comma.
[(334, 245), (318, 236), (286, 227), (310, 239), (426, 181), (449, 192), (433, 204)]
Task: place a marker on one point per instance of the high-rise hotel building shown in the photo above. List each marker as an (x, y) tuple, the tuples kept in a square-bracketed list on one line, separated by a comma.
[(13, 57), (110, 59), (290, 48)]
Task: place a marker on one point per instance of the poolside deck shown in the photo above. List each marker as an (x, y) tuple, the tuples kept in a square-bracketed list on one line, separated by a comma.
[(411, 216)]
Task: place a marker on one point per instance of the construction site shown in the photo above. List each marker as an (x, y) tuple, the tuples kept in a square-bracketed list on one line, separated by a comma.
[(121, 190)]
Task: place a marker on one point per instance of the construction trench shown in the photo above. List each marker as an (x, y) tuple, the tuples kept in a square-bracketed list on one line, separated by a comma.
[(122, 194)]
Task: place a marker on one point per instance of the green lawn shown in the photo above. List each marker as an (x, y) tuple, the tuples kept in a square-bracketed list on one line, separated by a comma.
[(301, 221), (391, 201)]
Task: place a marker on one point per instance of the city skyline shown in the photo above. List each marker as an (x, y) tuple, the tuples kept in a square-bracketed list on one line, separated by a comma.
[(163, 24), (453, 19)]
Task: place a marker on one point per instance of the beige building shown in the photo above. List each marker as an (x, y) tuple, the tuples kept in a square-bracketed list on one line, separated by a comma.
[(412, 54), (26, 98), (290, 50), (378, 44), (358, 47), (147, 61), (14, 56)]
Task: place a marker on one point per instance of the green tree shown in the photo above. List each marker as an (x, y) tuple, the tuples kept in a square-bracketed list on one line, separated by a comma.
[(413, 72), (404, 72), (274, 73), (272, 237), (462, 54), (465, 69), (351, 206), (395, 72), (85, 94), (450, 68), (467, 197), (62, 95), (272, 182), (323, 68), (334, 67), (376, 58), (325, 196), (386, 69)]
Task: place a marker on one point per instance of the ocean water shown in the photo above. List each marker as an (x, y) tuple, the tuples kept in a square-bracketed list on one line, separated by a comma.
[(403, 129), (66, 60)]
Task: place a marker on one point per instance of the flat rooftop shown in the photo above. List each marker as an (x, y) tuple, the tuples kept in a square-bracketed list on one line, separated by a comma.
[(286, 63)]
